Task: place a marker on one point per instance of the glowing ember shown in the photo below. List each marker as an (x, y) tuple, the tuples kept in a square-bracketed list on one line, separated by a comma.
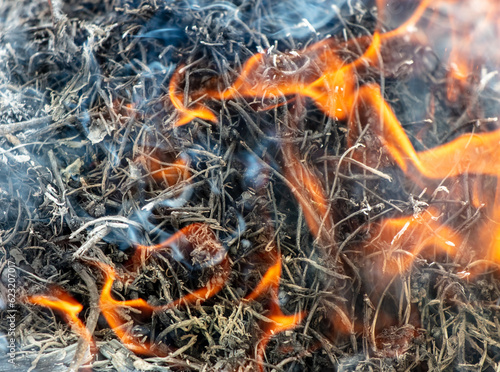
[(196, 241)]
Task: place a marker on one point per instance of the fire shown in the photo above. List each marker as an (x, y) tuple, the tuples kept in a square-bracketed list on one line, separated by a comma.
[(335, 91), (459, 67), (110, 310), (309, 192), (165, 167), (278, 321), (336, 85), (196, 240), (270, 280), (472, 153), (64, 303), (321, 74), (203, 239), (259, 79), (178, 100), (402, 239), (197, 234)]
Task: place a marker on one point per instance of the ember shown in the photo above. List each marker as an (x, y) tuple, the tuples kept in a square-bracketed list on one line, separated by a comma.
[(250, 185)]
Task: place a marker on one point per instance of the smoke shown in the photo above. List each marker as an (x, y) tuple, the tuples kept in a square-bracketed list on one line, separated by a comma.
[(298, 19)]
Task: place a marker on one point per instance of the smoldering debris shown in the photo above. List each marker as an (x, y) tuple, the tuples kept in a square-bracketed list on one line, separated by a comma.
[(205, 186)]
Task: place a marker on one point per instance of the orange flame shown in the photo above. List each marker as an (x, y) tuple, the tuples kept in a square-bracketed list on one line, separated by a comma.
[(196, 237), (109, 309), (270, 280), (334, 87), (68, 307), (404, 238), (472, 153), (279, 322), (164, 167), (196, 233), (186, 114), (194, 230), (459, 69), (258, 79), (309, 192)]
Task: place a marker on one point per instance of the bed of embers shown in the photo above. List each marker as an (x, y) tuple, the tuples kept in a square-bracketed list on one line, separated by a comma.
[(249, 185)]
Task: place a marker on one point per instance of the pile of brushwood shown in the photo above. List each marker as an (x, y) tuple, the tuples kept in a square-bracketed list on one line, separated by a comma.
[(94, 168)]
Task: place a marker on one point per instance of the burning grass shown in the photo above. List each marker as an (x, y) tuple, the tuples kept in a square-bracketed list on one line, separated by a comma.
[(211, 186)]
